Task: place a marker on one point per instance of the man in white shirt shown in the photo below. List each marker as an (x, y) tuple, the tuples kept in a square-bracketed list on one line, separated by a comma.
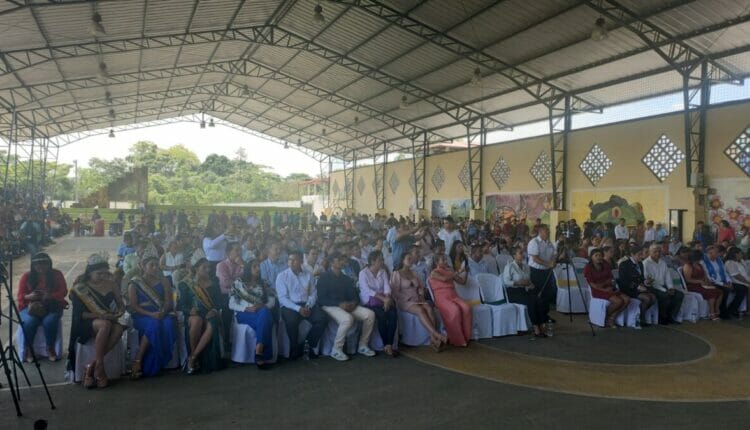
[(477, 264), (649, 236), (298, 299), (542, 259), (621, 231), (449, 233), (659, 282)]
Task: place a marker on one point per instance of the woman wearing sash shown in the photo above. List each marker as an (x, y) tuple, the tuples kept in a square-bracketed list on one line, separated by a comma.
[(200, 299), (253, 303), (150, 303), (97, 305)]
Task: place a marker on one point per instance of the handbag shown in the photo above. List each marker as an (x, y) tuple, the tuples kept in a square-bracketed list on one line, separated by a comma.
[(38, 309)]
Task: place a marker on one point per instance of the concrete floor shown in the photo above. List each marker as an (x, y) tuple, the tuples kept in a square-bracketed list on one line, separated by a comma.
[(372, 393)]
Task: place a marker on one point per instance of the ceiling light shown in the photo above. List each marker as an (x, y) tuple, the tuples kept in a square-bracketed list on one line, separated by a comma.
[(356, 120), (476, 78), (203, 123), (324, 132), (111, 133), (96, 28), (211, 122), (286, 145), (318, 15), (103, 72), (111, 113), (599, 32), (108, 97), (299, 141), (245, 91), (404, 102)]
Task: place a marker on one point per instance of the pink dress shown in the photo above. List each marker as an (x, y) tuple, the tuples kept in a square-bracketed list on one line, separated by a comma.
[(455, 312)]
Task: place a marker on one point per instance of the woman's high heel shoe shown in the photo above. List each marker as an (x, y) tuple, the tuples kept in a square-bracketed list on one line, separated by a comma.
[(101, 377), (88, 378), (190, 366), (136, 371)]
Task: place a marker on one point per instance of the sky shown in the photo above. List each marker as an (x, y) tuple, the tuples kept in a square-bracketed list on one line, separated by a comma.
[(203, 142)]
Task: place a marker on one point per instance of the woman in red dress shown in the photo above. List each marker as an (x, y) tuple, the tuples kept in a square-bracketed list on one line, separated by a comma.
[(455, 312), (598, 274), (697, 282)]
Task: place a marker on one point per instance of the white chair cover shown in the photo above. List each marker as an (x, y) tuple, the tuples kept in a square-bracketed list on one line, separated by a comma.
[(483, 326), (502, 261), (492, 291), (697, 297), (114, 361), (411, 329), (598, 313), (376, 342), (569, 291), (692, 303), (283, 338), (243, 343), (329, 336), (40, 343)]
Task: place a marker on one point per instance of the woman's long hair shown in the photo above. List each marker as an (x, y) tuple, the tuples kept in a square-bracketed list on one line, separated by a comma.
[(453, 254), (49, 279)]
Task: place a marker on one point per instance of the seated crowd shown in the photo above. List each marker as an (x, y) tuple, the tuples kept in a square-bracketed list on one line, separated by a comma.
[(196, 284)]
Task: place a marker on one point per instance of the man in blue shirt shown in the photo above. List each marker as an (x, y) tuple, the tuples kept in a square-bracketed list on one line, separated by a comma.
[(272, 266)]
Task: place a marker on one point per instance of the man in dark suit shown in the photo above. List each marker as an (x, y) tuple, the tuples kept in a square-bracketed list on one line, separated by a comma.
[(632, 282)]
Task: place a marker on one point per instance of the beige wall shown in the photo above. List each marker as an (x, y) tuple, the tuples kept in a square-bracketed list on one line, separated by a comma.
[(625, 144)]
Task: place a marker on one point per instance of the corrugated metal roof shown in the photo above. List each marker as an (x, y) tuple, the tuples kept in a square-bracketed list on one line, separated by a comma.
[(362, 61)]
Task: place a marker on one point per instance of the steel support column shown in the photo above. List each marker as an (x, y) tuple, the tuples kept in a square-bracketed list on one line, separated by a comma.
[(330, 177), (380, 176), (419, 167), (559, 128), (695, 122), (476, 138), (349, 167)]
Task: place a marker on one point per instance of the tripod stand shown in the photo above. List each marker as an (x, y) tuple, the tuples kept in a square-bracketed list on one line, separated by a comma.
[(9, 358)]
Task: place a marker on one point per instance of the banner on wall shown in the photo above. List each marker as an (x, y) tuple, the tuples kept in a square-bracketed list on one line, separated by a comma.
[(611, 205), (528, 206), (459, 208), (731, 202)]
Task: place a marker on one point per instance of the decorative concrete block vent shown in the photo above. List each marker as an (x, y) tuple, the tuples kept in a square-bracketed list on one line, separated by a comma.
[(663, 157), (595, 165)]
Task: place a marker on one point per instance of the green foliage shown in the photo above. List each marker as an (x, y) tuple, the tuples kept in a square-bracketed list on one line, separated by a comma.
[(177, 177)]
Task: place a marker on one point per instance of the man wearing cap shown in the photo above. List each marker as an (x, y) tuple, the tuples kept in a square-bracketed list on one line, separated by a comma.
[(41, 300)]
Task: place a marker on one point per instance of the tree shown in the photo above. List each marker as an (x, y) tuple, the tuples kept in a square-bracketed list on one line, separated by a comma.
[(218, 164), (298, 177)]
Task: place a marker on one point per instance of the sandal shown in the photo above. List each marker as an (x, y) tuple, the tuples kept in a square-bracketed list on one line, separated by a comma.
[(136, 372), (88, 378), (101, 381)]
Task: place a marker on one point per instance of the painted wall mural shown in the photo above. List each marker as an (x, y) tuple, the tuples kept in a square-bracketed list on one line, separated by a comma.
[(459, 208), (731, 202), (611, 205), (529, 206)]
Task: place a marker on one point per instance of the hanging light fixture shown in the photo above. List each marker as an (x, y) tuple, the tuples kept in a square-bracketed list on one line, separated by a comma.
[(108, 97), (299, 142), (245, 90), (324, 132), (111, 113), (318, 15), (404, 102), (203, 123), (211, 122), (111, 133), (476, 78), (599, 32), (356, 120), (103, 73), (286, 145), (96, 28)]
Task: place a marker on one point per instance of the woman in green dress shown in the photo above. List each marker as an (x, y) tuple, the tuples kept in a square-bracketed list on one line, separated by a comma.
[(199, 301)]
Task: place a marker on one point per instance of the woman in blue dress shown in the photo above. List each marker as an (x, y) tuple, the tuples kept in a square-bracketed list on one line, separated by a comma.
[(151, 306), (199, 301)]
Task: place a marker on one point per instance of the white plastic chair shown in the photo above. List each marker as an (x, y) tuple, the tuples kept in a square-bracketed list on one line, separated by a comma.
[(40, 342), (493, 293), (569, 298), (329, 337), (283, 337), (482, 315)]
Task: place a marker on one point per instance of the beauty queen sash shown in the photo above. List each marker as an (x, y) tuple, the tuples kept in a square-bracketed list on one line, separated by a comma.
[(150, 292), (93, 301)]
